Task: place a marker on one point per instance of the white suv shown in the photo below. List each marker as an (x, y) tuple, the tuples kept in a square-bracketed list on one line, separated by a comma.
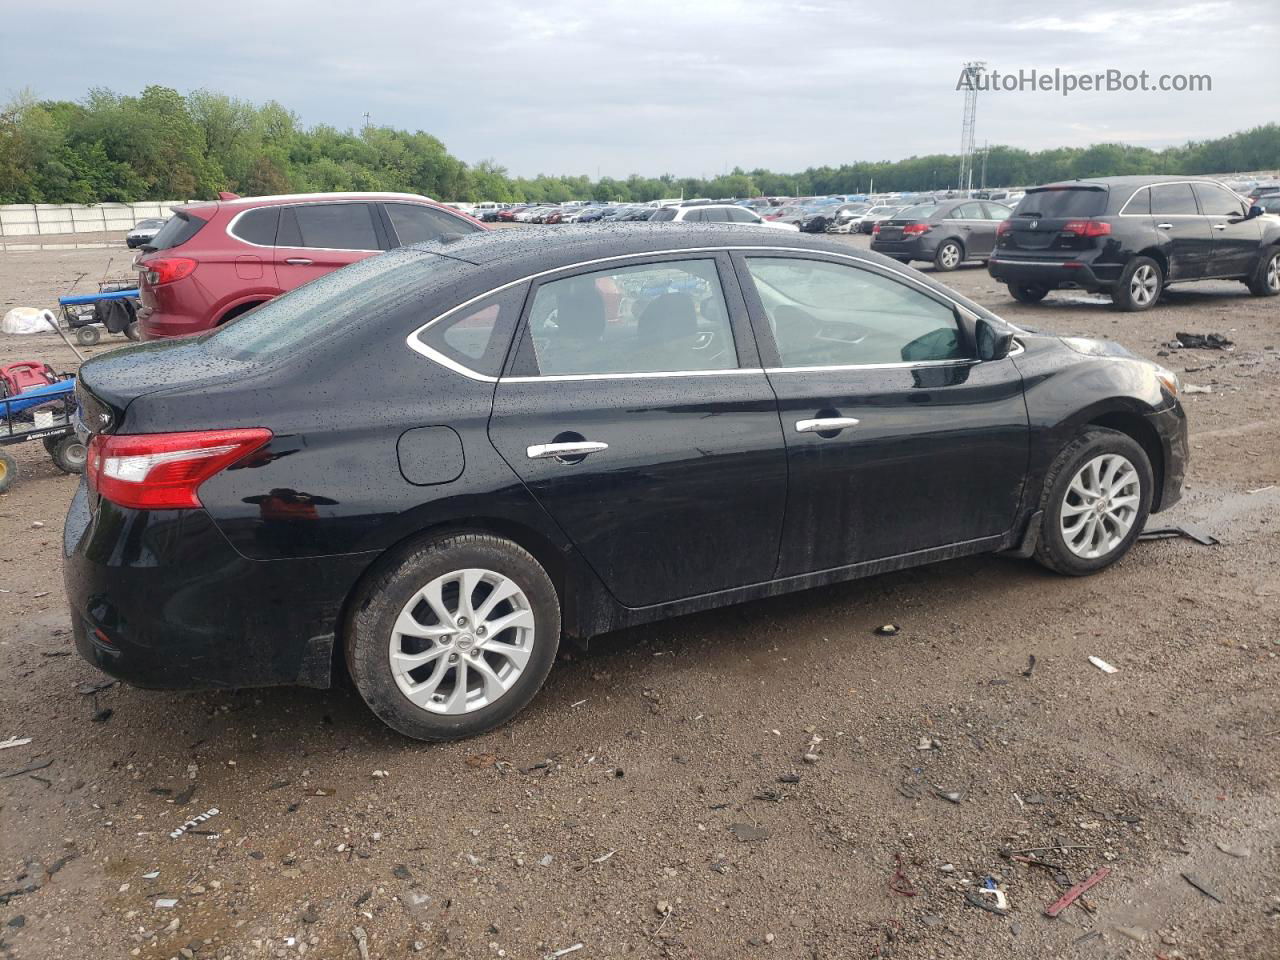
[(718, 213)]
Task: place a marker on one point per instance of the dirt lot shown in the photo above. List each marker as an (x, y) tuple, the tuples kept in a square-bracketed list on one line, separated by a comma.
[(654, 801)]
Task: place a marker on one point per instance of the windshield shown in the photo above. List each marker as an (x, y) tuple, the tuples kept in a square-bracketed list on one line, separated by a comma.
[(362, 292), (1058, 202)]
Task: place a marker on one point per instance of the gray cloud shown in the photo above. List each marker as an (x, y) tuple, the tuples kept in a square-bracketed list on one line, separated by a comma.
[(571, 86)]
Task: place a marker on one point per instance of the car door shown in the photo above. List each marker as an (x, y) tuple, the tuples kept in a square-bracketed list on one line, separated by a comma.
[(644, 425), (1190, 241), (1236, 239), (897, 440), (995, 214), (317, 238), (976, 232)]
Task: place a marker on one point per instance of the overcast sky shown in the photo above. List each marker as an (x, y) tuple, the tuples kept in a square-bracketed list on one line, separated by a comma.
[(672, 86)]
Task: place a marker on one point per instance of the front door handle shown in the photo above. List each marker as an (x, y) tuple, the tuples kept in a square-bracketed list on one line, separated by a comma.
[(1219, 226), (1165, 226), (823, 424), (573, 448), (298, 262)]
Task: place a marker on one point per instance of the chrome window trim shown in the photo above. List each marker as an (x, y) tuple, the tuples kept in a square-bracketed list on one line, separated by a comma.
[(416, 345), (302, 203)]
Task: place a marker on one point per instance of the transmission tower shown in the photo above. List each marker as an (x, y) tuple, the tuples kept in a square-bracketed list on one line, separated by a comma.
[(972, 70)]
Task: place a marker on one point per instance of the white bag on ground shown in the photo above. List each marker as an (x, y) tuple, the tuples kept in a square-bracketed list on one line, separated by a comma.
[(28, 320)]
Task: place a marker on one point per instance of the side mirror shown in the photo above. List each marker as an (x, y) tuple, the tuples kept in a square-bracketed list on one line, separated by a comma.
[(994, 343), (1255, 211)]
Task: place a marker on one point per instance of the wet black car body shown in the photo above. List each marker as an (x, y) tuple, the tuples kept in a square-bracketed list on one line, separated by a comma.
[(749, 430), (1133, 236), (945, 232)]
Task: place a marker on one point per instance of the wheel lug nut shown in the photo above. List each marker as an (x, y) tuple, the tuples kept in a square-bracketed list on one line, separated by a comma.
[(453, 658), (480, 631), (462, 621)]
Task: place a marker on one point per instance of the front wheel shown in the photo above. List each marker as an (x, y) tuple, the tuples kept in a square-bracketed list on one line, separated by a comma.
[(1140, 285), (8, 471), (87, 336), (1096, 498), (948, 256), (1265, 279), (69, 454), (453, 637), (1026, 294)]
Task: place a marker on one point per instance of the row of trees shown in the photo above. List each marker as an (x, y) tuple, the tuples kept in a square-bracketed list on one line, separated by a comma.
[(163, 145)]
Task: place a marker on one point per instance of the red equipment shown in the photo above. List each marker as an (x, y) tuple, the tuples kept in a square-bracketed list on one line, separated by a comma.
[(17, 377)]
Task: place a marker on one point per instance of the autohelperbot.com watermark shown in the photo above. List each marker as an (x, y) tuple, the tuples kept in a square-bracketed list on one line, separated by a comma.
[(1067, 82)]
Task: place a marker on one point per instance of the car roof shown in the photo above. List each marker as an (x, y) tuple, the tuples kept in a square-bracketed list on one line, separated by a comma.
[(240, 203), (1131, 180)]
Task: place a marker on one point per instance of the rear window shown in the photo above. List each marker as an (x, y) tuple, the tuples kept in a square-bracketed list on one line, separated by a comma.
[(177, 230), (1064, 202), (364, 292)]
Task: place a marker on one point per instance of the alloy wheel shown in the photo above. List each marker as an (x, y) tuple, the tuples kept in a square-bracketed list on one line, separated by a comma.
[(1143, 284), (1273, 274), (462, 641), (950, 255), (1100, 506)]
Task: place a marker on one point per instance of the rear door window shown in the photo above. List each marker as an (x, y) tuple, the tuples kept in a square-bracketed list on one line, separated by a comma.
[(416, 223), (328, 226), (1173, 199), (1063, 203), (257, 226), (648, 318)]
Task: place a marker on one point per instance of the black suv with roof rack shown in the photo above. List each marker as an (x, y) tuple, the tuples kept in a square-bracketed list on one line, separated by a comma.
[(1132, 236)]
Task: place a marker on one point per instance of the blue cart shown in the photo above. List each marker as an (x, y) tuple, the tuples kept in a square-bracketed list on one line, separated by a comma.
[(46, 414), (114, 306)]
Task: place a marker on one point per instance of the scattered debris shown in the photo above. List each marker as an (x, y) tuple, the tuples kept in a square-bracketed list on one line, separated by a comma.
[(562, 952), (151, 876), (14, 742), (789, 778), (381, 774), (401, 872), (1074, 893), (31, 769), (1194, 388), (886, 630), (102, 715), (810, 758), (1200, 885), (1031, 665), (1188, 530), (749, 832), (194, 822), (1103, 665), (362, 941), (899, 883), (1269, 486), (1239, 852), (1136, 934), (166, 903), (928, 743), (975, 899), (953, 796), (89, 689), (604, 856), (1201, 341)]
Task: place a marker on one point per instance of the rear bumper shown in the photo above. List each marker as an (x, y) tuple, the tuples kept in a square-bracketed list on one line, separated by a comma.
[(916, 248), (1053, 274), (160, 599), (156, 325)]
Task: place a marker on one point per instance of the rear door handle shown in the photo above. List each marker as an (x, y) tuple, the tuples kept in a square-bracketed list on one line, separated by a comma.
[(1219, 226), (823, 424), (298, 262), (578, 448), (1165, 226)]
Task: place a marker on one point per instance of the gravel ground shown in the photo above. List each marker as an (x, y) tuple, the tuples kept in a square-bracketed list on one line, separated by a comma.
[(655, 801)]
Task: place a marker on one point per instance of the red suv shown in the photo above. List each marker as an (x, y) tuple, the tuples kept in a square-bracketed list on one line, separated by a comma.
[(214, 261)]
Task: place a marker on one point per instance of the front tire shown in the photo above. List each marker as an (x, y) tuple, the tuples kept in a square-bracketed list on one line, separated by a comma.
[(87, 336), (1025, 294), (453, 637), (948, 256), (1140, 285), (8, 472), (1095, 501), (1265, 279)]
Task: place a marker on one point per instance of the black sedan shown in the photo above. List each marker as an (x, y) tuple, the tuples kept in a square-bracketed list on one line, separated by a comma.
[(435, 463), (947, 232)]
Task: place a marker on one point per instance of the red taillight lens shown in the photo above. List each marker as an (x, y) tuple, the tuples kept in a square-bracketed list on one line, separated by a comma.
[(1005, 227), (875, 228), (1087, 228), (168, 269), (163, 471), (915, 229)]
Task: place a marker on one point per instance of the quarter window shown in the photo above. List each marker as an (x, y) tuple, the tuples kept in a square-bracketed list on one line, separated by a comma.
[(997, 211), (477, 335), (652, 318), (333, 226), (827, 314), (416, 223), (1139, 204), (1216, 201), (1172, 199), (967, 211), (257, 226)]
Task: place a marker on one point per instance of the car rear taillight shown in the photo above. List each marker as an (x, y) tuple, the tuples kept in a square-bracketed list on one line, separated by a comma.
[(168, 269), (915, 229), (163, 471), (875, 228), (1087, 228), (1004, 228)]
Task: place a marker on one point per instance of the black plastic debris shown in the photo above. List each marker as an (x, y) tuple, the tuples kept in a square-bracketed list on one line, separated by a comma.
[(1202, 341), (1188, 530)]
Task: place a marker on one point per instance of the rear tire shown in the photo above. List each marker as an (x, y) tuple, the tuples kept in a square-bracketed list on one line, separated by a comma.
[(1025, 294), (413, 612), (1140, 285), (948, 256), (1066, 544), (131, 331), (87, 336), (1265, 279), (69, 454), (8, 472)]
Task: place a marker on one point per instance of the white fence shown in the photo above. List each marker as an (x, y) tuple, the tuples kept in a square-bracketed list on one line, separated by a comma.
[(43, 219)]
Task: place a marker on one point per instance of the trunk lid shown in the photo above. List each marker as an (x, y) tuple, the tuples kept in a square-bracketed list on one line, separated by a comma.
[(1038, 224)]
